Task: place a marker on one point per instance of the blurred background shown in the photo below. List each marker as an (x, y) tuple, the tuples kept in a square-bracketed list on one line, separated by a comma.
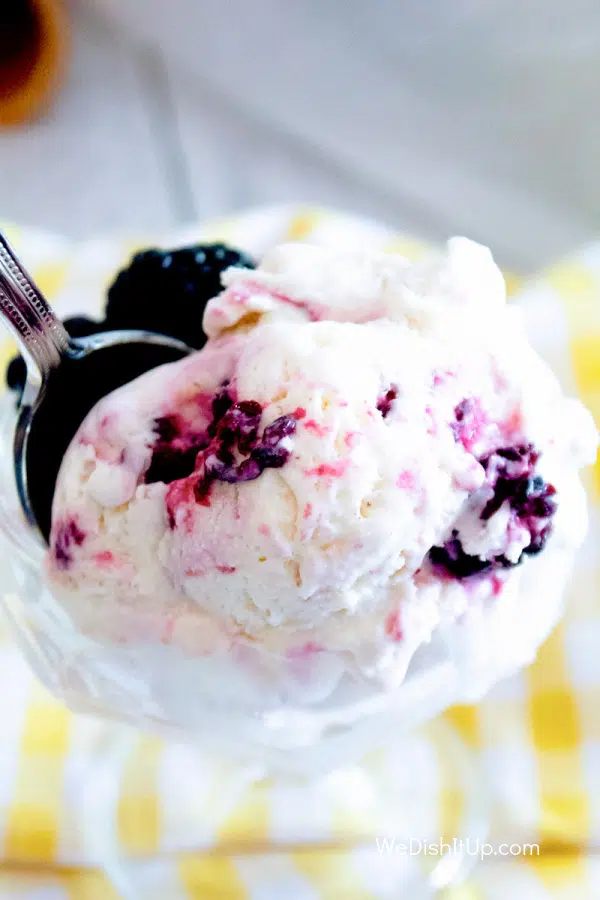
[(472, 116)]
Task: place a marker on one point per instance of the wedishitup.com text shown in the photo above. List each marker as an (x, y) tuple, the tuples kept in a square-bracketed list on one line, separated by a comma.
[(471, 846)]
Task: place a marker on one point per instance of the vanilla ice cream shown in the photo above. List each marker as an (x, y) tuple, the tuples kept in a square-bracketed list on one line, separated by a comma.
[(367, 465)]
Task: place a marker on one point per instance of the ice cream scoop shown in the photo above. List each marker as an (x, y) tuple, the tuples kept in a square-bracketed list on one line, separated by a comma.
[(65, 378), (365, 463)]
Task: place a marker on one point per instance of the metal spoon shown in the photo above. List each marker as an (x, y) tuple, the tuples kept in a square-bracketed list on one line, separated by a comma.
[(65, 378)]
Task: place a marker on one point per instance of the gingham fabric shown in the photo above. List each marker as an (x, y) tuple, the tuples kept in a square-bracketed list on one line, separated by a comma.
[(71, 787)]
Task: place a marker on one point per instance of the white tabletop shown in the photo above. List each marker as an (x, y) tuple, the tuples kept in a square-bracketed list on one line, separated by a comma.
[(163, 121)]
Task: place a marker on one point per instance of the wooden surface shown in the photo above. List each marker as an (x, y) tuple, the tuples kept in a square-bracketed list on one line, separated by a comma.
[(150, 131)]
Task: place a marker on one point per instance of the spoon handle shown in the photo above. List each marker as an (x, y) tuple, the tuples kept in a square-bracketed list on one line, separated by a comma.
[(41, 336)]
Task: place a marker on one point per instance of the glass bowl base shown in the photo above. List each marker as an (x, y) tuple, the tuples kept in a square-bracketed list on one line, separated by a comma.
[(413, 817)]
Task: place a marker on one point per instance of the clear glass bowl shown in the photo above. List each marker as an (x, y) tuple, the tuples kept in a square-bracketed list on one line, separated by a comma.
[(324, 743)]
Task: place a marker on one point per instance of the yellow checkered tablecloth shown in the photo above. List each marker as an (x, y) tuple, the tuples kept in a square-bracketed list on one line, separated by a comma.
[(538, 734)]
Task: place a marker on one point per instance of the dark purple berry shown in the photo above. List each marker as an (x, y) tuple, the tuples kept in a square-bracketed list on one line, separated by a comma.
[(166, 291), (248, 470), (538, 541), (469, 423), (270, 453), (166, 429), (221, 403), (514, 462), (232, 433), (250, 408), (271, 457), (175, 451), (278, 430), (171, 465), (510, 478), (240, 425), (67, 535), (386, 401), (231, 451), (503, 491), (453, 560)]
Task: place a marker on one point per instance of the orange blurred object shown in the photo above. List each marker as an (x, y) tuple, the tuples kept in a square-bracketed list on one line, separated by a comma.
[(33, 43)]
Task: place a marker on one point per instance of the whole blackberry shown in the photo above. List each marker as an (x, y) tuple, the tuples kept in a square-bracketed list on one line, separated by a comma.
[(166, 290)]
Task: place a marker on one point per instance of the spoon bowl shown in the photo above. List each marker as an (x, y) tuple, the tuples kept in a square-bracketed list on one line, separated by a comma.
[(65, 378)]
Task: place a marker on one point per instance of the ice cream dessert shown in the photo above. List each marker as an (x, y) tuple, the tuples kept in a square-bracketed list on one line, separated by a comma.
[(366, 469)]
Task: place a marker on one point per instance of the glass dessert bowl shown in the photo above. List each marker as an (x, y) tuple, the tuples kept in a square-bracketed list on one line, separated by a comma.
[(356, 506), (379, 758)]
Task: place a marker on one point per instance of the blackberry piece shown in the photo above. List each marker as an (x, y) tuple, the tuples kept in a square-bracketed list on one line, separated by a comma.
[(271, 453), (386, 401), (222, 402), (513, 479), (169, 465), (511, 471), (453, 560), (233, 433), (166, 290), (470, 422), (68, 534), (174, 452)]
